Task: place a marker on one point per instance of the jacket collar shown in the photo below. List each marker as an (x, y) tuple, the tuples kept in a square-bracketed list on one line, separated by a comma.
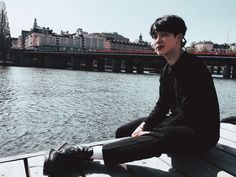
[(172, 69)]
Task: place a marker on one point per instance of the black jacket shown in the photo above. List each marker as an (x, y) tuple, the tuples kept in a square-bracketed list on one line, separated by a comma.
[(187, 97)]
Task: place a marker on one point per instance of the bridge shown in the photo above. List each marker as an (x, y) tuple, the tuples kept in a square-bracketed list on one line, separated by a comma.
[(115, 61)]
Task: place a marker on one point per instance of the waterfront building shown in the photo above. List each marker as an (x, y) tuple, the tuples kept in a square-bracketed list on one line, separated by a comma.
[(14, 43), (203, 46), (114, 36), (93, 41), (221, 48), (21, 39), (44, 39), (40, 39), (233, 47), (208, 46), (121, 43)]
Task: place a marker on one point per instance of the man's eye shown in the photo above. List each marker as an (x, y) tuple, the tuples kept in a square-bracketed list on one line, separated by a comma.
[(154, 36)]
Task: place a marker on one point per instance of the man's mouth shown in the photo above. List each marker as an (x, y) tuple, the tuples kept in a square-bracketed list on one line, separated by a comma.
[(159, 47)]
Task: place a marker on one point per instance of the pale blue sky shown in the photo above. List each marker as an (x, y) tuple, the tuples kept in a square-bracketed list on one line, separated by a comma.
[(206, 19)]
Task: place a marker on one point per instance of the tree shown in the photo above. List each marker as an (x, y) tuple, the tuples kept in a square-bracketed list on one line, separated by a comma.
[(5, 37)]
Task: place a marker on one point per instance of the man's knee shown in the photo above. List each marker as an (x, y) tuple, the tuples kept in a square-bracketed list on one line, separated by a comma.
[(120, 132), (128, 128)]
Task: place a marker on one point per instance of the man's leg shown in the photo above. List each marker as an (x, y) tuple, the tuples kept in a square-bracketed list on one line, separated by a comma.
[(169, 139), (128, 129), (68, 158)]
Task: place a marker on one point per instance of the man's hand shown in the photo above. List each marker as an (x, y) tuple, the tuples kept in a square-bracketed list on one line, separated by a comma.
[(139, 131)]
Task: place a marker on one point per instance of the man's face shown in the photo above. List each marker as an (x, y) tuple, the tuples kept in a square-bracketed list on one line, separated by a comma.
[(165, 43)]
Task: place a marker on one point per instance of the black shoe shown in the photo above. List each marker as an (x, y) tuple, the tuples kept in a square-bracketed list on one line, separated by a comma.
[(67, 159)]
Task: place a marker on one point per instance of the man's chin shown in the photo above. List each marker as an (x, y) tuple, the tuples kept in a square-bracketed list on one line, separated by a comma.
[(159, 53)]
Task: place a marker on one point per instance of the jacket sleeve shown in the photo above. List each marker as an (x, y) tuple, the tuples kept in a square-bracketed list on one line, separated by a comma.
[(161, 108)]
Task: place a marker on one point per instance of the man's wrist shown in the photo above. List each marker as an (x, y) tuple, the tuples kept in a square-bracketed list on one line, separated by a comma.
[(142, 125)]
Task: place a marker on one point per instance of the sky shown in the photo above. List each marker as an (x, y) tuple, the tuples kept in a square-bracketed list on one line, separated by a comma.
[(205, 19)]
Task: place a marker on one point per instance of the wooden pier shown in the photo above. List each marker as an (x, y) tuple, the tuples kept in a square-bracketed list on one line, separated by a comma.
[(220, 161)]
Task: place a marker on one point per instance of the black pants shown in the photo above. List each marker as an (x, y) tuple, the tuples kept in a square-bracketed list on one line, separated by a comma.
[(166, 139)]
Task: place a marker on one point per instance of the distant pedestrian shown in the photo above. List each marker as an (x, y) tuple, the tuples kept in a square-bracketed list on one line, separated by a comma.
[(185, 119)]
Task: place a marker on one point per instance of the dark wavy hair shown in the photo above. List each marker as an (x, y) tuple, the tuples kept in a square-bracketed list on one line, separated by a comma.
[(168, 23)]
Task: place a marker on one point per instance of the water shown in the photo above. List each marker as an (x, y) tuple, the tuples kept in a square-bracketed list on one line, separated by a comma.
[(43, 108)]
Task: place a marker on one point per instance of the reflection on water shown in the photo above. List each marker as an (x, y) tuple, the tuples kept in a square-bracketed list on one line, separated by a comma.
[(43, 108)]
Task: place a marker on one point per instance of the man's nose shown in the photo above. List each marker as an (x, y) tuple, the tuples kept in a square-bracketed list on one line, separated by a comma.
[(157, 40)]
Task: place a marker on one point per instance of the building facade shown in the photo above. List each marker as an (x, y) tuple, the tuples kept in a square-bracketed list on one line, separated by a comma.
[(208, 46), (123, 44), (203, 46), (44, 39), (233, 47)]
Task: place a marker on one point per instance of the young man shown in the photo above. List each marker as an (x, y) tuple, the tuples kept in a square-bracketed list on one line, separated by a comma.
[(184, 120)]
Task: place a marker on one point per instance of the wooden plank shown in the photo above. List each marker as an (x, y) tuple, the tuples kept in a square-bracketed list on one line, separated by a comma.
[(217, 163), (151, 167), (12, 169), (221, 160), (227, 146), (36, 166), (226, 142), (194, 167), (21, 157), (96, 168), (228, 135), (229, 127)]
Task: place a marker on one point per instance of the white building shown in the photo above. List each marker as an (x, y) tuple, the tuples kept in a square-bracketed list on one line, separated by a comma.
[(92, 41), (73, 43), (44, 39), (205, 46), (233, 47)]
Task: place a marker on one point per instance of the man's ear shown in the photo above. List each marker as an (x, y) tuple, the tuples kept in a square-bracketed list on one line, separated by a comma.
[(180, 36), (182, 39)]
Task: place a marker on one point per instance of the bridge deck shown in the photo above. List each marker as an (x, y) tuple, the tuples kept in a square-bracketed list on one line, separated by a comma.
[(219, 162)]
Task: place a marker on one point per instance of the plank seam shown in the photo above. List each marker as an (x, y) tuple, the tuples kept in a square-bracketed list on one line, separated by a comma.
[(228, 130), (225, 151), (218, 167), (227, 139), (180, 172), (26, 165)]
